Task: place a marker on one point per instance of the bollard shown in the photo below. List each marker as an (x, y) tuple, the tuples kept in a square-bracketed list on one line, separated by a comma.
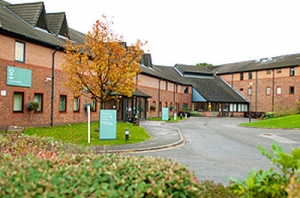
[(126, 134)]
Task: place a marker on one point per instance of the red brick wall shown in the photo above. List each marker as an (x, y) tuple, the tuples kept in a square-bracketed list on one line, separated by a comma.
[(38, 59), (167, 97), (260, 101)]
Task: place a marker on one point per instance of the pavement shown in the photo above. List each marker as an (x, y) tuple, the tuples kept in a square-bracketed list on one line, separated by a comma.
[(162, 138)]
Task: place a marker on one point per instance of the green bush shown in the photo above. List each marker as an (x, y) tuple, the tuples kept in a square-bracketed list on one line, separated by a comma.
[(195, 114), (268, 115), (271, 183), (96, 176), (34, 167)]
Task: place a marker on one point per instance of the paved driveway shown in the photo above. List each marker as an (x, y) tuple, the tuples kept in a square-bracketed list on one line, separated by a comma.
[(217, 149)]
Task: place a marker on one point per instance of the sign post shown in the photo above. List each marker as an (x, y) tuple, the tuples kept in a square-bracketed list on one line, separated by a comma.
[(89, 122)]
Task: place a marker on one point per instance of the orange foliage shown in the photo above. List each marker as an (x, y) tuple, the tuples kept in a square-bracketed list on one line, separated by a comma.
[(103, 66)]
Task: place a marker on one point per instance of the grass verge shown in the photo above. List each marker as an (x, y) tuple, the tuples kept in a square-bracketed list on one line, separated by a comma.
[(77, 134), (286, 122), (171, 119)]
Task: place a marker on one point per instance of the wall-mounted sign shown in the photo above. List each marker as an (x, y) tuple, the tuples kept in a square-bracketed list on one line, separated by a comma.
[(18, 76), (3, 92), (108, 127)]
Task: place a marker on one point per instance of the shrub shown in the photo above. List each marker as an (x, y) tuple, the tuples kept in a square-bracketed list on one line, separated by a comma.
[(195, 114), (286, 107), (270, 183), (268, 115), (152, 107), (40, 169), (32, 106)]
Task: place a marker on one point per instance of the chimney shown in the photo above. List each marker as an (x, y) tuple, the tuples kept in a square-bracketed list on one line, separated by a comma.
[(146, 60)]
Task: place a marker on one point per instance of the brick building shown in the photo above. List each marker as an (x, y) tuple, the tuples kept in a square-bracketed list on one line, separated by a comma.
[(267, 83), (31, 55)]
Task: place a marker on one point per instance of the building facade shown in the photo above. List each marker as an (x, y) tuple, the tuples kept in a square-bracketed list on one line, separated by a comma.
[(31, 55)]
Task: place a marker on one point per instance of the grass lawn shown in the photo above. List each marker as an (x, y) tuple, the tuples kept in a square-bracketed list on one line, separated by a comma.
[(77, 133), (171, 119), (286, 122)]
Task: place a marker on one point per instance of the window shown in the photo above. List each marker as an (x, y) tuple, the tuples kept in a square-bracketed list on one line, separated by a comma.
[(250, 91), (76, 104), (278, 90), (268, 71), (62, 103), (241, 76), (160, 106), (241, 89), (185, 105), (94, 105), (292, 90), (250, 75), (18, 102), (292, 71), (186, 90), (19, 51), (166, 85), (268, 90), (232, 107), (38, 97), (279, 71)]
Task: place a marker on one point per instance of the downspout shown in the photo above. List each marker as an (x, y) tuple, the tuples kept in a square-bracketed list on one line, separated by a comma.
[(158, 97), (52, 89), (256, 89), (174, 97), (273, 84)]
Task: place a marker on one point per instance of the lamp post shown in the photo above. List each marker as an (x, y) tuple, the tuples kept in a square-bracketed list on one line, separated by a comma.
[(250, 93), (126, 134)]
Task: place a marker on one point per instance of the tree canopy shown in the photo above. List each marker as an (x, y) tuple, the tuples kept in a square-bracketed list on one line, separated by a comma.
[(103, 67), (204, 64)]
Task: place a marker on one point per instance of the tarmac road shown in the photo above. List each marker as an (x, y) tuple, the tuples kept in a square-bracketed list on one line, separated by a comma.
[(217, 149)]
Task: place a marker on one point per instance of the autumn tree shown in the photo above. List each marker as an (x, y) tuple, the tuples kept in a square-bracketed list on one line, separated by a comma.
[(103, 67)]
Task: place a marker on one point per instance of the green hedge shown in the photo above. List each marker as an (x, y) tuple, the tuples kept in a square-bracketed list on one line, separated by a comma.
[(96, 176), (34, 167)]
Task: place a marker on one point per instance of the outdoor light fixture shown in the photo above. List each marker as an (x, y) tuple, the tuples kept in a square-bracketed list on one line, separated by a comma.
[(48, 79), (126, 134)]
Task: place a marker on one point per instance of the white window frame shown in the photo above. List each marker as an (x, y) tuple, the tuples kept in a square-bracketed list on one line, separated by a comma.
[(19, 51)]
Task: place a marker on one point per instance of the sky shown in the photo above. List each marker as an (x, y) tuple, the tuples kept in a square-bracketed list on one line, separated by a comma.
[(193, 31)]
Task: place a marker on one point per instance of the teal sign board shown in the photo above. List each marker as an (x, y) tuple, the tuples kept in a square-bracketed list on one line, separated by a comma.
[(165, 113), (108, 124), (18, 77)]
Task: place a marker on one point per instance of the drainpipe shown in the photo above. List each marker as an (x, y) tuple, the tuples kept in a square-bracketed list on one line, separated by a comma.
[(174, 97), (52, 89), (256, 90), (158, 97), (273, 92)]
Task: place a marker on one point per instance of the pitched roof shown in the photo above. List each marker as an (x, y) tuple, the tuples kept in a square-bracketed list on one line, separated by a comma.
[(58, 23), (29, 21), (193, 69), (210, 86), (259, 64), (30, 12), (216, 90)]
